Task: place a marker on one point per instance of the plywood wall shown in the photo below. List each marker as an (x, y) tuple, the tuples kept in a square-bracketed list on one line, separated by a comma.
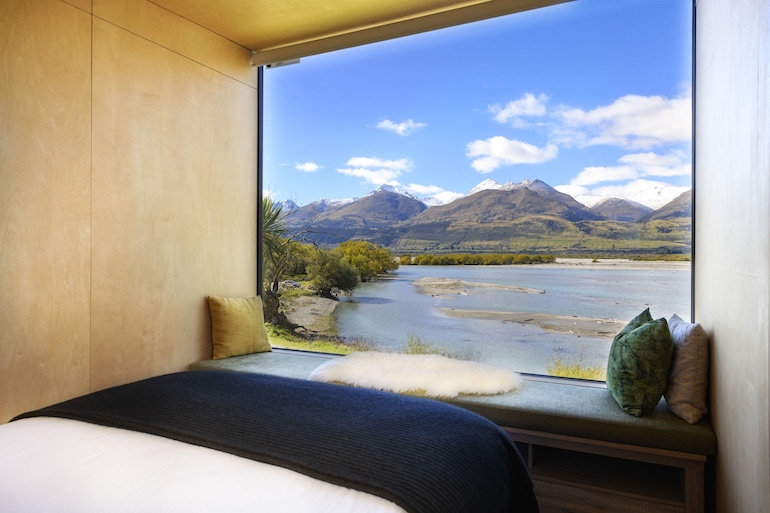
[(45, 203), (732, 237), (127, 193)]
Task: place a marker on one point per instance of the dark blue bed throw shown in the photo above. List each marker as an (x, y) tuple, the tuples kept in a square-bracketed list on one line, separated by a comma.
[(424, 455)]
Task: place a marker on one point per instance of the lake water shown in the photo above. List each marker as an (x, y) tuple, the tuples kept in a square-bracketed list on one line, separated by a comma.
[(388, 311)]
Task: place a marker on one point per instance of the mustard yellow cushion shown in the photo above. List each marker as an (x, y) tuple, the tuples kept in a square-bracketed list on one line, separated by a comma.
[(237, 326)]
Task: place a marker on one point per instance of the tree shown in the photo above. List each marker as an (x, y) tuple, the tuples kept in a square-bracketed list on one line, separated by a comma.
[(273, 240), (368, 259), (330, 270), (298, 256), (275, 250)]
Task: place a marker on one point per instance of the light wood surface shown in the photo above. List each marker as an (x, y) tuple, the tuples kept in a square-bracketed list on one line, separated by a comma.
[(127, 193), (174, 204), (177, 34), (45, 203)]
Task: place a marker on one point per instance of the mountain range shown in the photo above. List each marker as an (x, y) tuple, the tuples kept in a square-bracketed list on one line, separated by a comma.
[(529, 216)]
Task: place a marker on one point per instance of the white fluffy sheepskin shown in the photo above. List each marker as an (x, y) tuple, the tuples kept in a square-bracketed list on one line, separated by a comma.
[(420, 374)]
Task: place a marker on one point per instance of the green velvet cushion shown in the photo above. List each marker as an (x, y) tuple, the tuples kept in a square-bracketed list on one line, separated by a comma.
[(237, 326), (639, 362)]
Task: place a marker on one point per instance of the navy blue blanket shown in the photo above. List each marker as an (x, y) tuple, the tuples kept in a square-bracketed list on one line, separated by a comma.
[(424, 455)]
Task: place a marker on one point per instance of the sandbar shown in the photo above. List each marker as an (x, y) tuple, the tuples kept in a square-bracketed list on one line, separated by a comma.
[(561, 324), (449, 286)]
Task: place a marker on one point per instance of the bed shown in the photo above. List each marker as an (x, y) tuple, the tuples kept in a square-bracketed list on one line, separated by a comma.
[(224, 441)]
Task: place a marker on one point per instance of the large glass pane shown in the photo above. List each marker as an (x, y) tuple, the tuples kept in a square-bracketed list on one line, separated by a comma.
[(558, 138)]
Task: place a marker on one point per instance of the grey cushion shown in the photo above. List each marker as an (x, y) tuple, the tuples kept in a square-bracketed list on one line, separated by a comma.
[(687, 382)]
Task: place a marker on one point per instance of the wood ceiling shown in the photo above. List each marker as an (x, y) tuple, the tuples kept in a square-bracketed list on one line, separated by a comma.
[(277, 30)]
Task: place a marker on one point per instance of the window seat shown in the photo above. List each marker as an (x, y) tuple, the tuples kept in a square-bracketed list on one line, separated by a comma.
[(538, 405), (560, 422)]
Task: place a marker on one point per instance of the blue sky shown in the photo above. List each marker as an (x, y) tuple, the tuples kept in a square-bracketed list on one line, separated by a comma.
[(593, 97)]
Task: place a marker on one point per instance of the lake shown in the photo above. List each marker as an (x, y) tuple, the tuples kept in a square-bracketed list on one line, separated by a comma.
[(390, 310)]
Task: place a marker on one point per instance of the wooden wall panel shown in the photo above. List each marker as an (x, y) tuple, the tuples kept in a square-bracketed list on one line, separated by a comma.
[(174, 204), (80, 4), (45, 175), (127, 195), (157, 24)]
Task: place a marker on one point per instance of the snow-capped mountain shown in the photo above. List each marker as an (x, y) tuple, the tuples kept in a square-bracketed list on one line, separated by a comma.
[(491, 217), (325, 204), (395, 190), (490, 185), (652, 195), (655, 196)]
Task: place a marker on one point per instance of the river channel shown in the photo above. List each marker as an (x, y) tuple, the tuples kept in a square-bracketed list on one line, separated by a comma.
[(390, 310)]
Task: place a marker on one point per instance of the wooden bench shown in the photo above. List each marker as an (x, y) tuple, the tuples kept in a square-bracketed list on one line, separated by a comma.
[(585, 454)]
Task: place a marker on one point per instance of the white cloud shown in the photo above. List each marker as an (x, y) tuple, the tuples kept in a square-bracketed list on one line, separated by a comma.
[(375, 176), (498, 151), (446, 197), (597, 174), (308, 167), (424, 190), (652, 193), (632, 121), (404, 128), (377, 171), (513, 111), (675, 163), (436, 194), (636, 165), (374, 162), (573, 190)]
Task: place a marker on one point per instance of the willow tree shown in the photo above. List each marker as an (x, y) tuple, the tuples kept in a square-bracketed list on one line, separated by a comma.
[(370, 260), (330, 270)]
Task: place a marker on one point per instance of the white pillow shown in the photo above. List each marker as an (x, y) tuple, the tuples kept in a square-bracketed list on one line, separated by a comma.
[(688, 378)]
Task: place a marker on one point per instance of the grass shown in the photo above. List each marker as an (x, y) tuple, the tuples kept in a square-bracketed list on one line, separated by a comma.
[(282, 338), (576, 368), (285, 339), (416, 345)]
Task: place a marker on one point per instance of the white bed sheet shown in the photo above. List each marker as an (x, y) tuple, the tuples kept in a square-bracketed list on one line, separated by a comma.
[(65, 466)]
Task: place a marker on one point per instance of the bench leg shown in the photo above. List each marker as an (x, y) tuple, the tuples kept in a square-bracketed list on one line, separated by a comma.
[(693, 488)]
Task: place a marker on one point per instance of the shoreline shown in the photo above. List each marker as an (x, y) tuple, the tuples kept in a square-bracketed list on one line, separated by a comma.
[(313, 313), (622, 264)]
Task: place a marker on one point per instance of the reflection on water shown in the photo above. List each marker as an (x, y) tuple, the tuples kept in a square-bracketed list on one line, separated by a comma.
[(389, 311), (368, 300)]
